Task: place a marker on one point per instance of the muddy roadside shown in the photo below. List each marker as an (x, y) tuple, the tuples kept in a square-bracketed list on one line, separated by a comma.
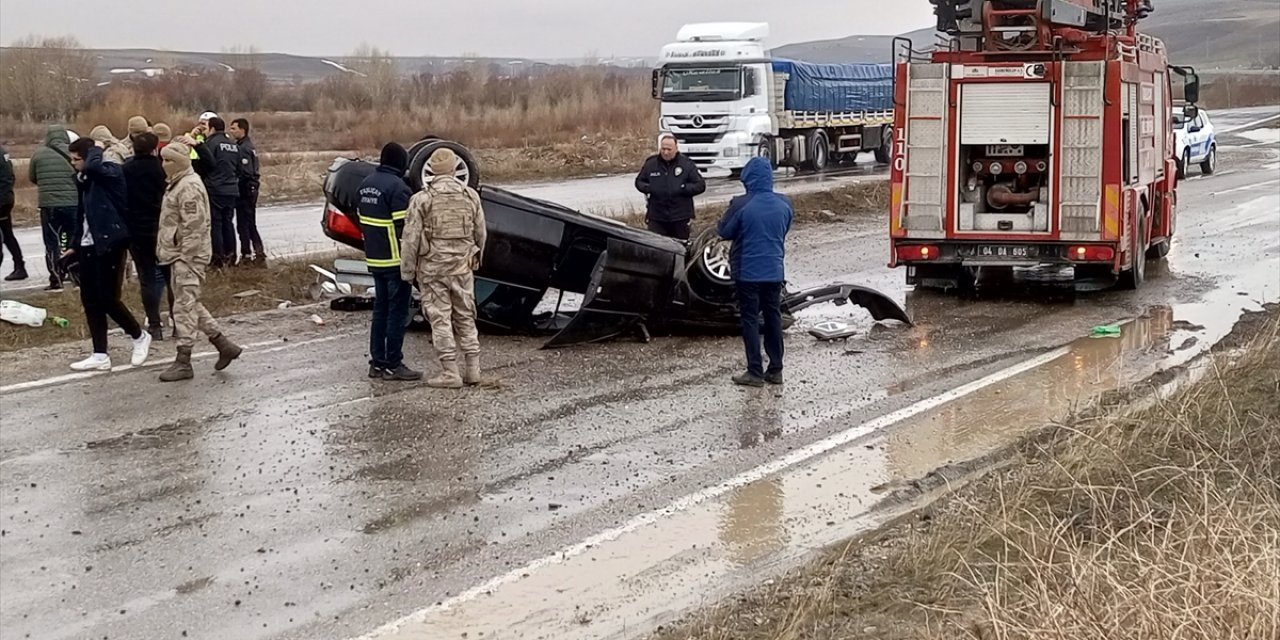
[(1125, 522), (247, 290)]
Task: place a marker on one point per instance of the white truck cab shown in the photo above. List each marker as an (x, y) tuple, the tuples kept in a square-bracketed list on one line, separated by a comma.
[(715, 85)]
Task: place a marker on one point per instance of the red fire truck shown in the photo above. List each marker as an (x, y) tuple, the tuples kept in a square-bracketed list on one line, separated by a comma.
[(1035, 137)]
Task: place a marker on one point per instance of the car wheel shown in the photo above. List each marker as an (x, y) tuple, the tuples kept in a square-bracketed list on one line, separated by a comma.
[(1210, 163), (1183, 163), (417, 146), (466, 170)]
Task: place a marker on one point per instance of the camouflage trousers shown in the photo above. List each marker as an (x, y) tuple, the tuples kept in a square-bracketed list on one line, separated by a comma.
[(189, 315), (450, 305)]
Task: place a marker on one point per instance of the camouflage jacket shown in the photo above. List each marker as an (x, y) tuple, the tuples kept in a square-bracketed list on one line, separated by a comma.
[(444, 231), (184, 222)]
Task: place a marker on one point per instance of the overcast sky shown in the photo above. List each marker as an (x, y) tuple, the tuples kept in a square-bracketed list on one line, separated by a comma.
[(514, 28)]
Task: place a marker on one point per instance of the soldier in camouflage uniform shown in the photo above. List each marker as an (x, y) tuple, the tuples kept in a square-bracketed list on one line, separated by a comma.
[(183, 246), (444, 237)]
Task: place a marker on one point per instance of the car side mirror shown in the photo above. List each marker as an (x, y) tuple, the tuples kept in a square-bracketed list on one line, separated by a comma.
[(1194, 129), (656, 90)]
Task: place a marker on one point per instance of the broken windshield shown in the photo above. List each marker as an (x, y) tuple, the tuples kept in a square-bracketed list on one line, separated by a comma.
[(711, 84)]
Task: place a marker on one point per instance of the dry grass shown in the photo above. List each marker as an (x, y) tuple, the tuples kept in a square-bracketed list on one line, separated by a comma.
[(1229, 92), (282, 280), (1163, 524)]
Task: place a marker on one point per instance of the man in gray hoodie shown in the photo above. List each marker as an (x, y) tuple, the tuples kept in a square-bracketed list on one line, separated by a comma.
[(50, 170)]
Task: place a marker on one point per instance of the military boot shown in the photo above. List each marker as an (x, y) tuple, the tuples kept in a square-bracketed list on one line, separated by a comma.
[(449, 377), (181, 367), (471, 370), (227, 351)]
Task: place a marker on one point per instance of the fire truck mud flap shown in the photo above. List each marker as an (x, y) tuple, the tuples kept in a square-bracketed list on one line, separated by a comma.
[(880, 306)]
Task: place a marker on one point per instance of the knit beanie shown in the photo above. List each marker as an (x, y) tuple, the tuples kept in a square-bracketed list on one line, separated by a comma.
[(102, 134), (177, 153), (162, 131), (444, 162), (138, 125), (394, 156)]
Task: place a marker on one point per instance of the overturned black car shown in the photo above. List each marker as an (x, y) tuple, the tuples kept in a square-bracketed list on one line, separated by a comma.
[(632, 281)]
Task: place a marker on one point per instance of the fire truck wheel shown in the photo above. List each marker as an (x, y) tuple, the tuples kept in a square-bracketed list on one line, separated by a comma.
[(1210, 163), (1137, 273), (884, 153)]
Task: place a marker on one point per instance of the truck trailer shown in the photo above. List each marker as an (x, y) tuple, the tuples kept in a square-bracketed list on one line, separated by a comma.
[(1035, 138), (726, 100)]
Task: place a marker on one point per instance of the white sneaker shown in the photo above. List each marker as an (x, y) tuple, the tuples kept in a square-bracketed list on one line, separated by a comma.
[(95, 362), (141, 347)]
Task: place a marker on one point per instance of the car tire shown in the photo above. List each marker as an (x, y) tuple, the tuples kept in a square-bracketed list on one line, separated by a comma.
[(1183, 163), (1210, 163), (419, 171), (417, 146)]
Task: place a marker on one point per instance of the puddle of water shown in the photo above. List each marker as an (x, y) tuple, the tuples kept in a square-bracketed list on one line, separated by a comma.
[(688, 557)]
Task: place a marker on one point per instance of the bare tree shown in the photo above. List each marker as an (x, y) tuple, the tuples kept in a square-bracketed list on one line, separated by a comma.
[(45, 78), (378, 73)]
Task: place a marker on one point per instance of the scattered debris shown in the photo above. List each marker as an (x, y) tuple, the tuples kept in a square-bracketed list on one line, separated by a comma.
[(832, 330), (24, 314), (246, 294), (1106, 331), (285, 305), (317, 319)]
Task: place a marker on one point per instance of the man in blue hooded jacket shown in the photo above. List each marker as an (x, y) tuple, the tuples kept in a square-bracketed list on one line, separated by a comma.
[(757, 224)]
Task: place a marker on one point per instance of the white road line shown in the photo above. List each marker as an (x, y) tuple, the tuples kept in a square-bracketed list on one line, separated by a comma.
[(1246, 187), (683, 504), (73, 377), (1251, 124)]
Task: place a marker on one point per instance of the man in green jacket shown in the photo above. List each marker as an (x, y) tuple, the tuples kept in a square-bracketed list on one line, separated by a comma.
[(50, 170)]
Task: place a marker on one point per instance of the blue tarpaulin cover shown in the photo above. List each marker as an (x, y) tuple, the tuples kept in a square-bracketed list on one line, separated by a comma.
[(836, 87)]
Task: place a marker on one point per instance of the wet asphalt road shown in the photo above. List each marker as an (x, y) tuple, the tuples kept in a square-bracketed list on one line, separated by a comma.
[(291, 498)]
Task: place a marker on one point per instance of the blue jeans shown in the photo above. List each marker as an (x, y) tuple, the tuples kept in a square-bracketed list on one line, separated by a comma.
[(756, 299), (390, 317)]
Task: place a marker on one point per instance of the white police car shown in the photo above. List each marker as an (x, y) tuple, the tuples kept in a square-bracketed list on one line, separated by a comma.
[(1195, 141)]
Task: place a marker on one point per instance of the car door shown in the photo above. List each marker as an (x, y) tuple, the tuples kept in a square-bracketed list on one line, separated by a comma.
[(1199, 138)]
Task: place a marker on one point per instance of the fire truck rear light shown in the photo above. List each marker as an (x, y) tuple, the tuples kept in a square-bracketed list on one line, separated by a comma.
[(1020, 168), (996, 168), (1041, 166), (916, 252), (1091, 253)]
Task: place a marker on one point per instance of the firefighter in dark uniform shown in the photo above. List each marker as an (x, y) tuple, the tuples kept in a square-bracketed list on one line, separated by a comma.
[(384, 199), (669, 180)]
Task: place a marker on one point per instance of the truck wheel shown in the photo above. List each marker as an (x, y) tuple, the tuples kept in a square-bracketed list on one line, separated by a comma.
[(467, 171), (1210, 163), (765, 150), (819, 151), (884, 152)]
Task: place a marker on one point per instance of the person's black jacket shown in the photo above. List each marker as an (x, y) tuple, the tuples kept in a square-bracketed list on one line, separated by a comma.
[(103, 197), (218, 164), (145, 181), (384, 201), (250, 172), (670, 187), (6, 178)]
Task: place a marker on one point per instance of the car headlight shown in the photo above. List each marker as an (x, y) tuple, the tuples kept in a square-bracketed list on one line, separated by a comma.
[(730, 152)]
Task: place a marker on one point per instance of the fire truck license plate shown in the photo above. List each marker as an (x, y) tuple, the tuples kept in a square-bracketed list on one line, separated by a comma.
[(1005, 150), (1005, 251)]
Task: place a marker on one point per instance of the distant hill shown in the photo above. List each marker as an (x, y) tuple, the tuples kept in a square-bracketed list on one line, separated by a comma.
[(121, 64), (1206, 33)]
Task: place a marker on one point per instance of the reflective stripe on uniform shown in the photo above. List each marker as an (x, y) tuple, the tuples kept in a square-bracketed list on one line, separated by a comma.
[(395, 262)]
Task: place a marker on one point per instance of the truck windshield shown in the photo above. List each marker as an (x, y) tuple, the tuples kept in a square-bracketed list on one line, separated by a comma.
[(712, 84)]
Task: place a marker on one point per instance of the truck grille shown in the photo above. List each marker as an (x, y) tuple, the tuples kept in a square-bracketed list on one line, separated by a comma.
[(699, 138)]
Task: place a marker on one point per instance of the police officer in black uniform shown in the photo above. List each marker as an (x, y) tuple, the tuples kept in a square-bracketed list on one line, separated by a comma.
[(251, 249), (669, 180), (218, 163)]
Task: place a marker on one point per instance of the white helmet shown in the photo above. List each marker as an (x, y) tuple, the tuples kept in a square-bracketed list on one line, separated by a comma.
[(206, 116)]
